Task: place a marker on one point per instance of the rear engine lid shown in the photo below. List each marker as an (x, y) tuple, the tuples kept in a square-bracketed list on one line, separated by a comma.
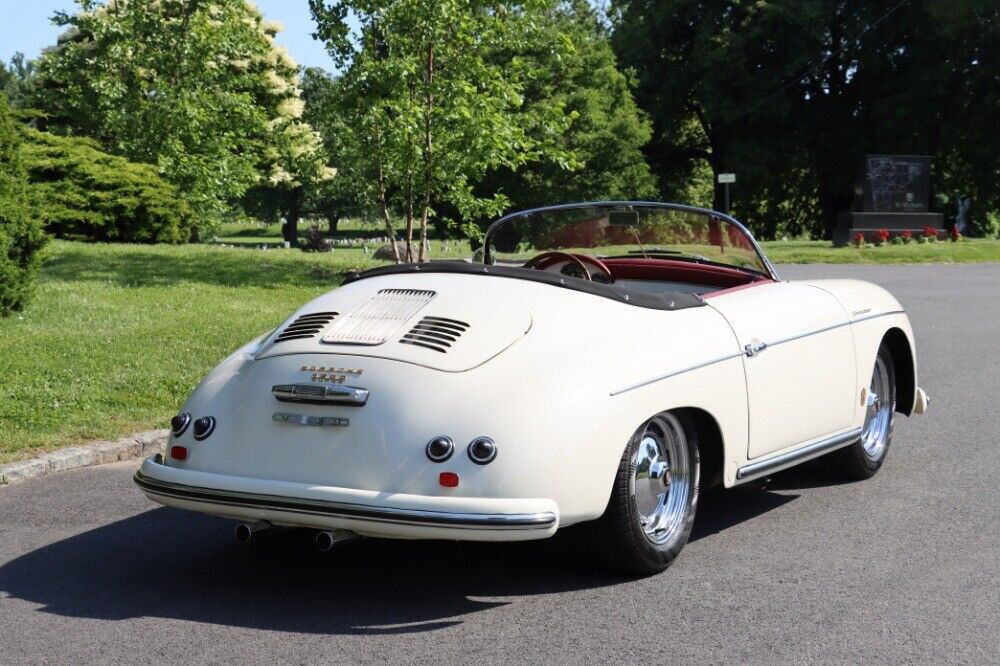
[(448, 330)]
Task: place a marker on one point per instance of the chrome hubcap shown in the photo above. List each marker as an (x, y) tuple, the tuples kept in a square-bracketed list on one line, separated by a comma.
[(878, 414), (661, 485)]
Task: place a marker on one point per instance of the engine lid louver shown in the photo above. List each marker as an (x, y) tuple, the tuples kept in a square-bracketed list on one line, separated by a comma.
[(437, 333), (375, 320), (306, 326)]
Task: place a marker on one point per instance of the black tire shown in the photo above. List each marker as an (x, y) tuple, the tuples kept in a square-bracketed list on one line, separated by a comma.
[(856, 462), (619, 536)]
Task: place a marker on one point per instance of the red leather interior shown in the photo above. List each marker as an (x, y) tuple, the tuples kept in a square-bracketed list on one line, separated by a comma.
[(679, 271)]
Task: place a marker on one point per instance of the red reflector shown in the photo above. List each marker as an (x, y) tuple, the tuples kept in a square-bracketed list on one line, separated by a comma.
[(181, 453), (448, 479)]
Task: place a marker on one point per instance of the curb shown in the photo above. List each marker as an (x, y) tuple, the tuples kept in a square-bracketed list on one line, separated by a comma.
[(99, 453)]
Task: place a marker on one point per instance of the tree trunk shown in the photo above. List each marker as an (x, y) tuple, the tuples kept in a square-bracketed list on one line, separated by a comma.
[(409, 218), (384, 204), (333, 219), (428, 153), (293, 213)]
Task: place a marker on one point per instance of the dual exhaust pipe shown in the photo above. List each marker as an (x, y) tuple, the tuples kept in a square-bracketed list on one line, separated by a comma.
[(325, 540)]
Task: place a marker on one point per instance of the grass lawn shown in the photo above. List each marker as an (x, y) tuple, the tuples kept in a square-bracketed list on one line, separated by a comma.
[(975, 250), (118, 335)]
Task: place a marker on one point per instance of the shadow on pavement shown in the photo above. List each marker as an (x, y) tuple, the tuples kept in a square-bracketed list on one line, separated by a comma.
[(173, 564)]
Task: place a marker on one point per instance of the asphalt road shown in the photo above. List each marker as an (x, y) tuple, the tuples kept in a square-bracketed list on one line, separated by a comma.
[(902, 568)]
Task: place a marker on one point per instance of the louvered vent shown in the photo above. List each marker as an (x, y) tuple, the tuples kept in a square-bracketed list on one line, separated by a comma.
[(437, 333), (306, 326), (378, 318)]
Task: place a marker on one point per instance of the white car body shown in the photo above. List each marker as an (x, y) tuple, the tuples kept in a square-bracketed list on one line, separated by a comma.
[(560, 379)]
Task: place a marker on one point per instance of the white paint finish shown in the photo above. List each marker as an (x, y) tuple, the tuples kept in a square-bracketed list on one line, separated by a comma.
[(873, 311), (800, 388), (860, 299), (560, 379), (495, 317)]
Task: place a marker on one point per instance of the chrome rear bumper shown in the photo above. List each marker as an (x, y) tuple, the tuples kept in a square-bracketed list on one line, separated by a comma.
[(390, 521)]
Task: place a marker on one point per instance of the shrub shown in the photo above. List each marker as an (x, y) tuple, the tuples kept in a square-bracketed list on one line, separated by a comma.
[(859, 239), (314, 240), (906, 236), (930, 234), (21, 237), (883, 236), (78, 191)]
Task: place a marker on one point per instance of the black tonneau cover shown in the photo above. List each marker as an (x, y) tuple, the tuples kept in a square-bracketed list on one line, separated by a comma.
[(667, 300)]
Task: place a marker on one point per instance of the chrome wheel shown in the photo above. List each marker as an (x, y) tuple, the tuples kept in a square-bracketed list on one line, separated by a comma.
[(881, 402), (661, 482)]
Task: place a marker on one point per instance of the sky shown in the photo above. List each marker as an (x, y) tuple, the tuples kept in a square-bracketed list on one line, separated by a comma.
[(25, 27)]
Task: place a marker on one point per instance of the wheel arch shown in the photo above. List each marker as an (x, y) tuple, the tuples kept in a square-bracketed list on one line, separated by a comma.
[(905, 368), (710, 445)]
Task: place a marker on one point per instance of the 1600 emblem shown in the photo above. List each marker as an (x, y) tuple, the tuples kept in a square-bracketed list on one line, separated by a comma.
[(333, 374)]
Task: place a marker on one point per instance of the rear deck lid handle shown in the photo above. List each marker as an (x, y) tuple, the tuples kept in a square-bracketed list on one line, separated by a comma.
[(316, 394)]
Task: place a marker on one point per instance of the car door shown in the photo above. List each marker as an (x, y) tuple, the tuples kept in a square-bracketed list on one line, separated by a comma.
[(800, 368)]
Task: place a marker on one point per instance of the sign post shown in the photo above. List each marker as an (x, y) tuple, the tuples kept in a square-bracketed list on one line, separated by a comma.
[(726, 179)]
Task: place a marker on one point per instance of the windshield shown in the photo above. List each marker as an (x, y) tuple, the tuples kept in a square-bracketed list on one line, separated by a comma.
[(625, 230)]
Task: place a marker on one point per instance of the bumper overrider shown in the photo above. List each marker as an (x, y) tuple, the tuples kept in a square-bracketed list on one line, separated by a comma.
[(371, 513)]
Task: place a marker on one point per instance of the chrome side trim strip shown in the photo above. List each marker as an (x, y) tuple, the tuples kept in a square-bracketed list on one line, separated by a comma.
[(500, 521), (675, 373), (799, 336), (798, 455), (750, 350)]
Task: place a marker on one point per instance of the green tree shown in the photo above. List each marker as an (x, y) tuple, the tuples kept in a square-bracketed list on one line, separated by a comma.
[(608, 130), (21, 238), (196, 87), (78, 191), (339, 196), (790, 93), (427, 108), (967, 40), (705, 71), (17, 79)]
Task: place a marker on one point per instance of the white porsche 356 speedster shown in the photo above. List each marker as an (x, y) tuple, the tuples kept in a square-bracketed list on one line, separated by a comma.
[(599, 364)]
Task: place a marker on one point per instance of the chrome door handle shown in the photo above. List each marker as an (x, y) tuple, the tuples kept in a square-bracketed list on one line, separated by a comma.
[(755, 347)]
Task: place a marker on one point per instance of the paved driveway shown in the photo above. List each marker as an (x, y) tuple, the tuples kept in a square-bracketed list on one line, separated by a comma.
[(902, 568)]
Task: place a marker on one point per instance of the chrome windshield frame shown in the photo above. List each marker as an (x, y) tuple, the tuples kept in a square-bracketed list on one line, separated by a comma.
[(487, 247)]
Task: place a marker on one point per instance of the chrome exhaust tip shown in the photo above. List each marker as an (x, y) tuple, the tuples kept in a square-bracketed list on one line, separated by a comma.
[(326, 540), (244, 531)]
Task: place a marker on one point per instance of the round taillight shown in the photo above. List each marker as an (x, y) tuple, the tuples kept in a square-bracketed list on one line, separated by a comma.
[(482, 450), (179, 424), (440, 449), (204, 427)]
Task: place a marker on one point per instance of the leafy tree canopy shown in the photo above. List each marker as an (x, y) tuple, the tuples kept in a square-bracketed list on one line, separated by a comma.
[(196, 87), (789, 94), (426, 109), (608, 130)]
